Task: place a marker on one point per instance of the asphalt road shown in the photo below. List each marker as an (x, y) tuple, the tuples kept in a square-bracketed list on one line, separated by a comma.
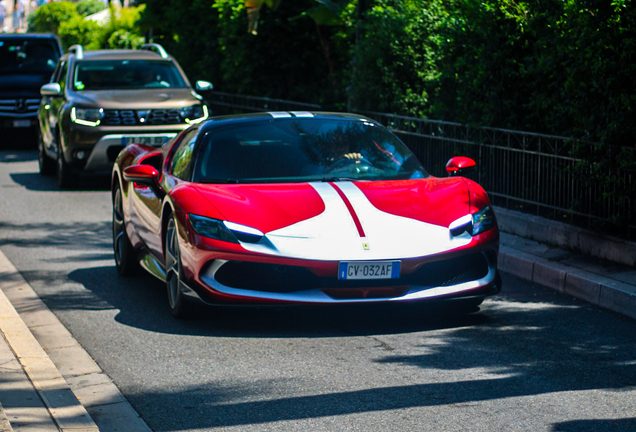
[(530, 360)]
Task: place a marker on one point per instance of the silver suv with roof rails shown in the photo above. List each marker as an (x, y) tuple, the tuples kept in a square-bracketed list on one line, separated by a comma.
[(98, 102)]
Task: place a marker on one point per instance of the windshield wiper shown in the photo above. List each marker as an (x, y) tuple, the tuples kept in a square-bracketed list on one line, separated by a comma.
[(218, 181), (337, 179)]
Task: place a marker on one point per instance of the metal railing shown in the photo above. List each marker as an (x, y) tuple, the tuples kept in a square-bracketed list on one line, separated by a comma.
[(530, 172)]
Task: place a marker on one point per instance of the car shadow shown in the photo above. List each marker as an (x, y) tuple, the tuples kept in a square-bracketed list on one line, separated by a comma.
[(86, 183), (19, 140), (607, 425), (142, 303)]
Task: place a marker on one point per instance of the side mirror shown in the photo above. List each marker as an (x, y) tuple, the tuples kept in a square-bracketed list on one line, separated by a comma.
[(460, 165), (203, 86), (51, 89), (142, 174)]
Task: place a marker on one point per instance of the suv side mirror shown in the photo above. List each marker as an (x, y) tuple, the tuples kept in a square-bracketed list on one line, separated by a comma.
[(460, 165), (204, 86), (51, 89)]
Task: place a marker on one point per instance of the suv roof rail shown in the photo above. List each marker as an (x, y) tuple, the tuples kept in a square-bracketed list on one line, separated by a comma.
[(155, 47), (78, 50)]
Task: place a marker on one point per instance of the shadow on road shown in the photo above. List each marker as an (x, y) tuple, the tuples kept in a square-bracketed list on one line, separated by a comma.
[(86, 183), (611, 425), (142, 303), (17, 156), (89, 239)]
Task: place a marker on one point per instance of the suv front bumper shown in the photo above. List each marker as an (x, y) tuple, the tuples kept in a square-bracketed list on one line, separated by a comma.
[(108, 147), (94, 149)]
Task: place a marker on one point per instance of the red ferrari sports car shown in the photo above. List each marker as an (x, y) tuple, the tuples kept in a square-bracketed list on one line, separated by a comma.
[(299, 207)]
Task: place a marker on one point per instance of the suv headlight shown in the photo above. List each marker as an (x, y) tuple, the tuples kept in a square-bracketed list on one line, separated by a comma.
[(87, 116), (194, 114)]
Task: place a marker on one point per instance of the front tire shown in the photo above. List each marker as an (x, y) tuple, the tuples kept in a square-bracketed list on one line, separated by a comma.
[(45, 163), (66, 178), (125, 261), (180, 307)]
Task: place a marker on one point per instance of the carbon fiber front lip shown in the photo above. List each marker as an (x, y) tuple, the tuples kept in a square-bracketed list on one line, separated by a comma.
[(415, 293)]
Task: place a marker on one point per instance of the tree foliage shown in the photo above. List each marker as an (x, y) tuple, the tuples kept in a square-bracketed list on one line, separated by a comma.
[(89, 7), (396, 57), (48, 17), (68, 20), (189, 31)]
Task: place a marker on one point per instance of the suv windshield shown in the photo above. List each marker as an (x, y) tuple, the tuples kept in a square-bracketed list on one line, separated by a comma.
[(27, 57), (126, 74), (301, 150)]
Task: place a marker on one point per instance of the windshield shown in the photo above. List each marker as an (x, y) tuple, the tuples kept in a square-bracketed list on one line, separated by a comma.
[(27, 57), (301, 150), (126, 74)]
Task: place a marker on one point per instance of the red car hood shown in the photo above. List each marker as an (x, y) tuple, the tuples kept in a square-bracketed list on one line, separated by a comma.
[(270, 207)]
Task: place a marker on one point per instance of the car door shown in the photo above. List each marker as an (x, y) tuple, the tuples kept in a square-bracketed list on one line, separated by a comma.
[(147, 205), (52, 107)]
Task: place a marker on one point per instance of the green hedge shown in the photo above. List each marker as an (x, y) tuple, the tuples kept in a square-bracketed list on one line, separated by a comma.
[(67, 20)]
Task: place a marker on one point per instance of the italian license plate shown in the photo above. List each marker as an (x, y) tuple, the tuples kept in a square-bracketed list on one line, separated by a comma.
[(369, 269), (21, 123), (145, 140)]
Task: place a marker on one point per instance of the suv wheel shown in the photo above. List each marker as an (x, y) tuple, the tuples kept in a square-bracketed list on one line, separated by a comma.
[(46, 164), (66, 178)]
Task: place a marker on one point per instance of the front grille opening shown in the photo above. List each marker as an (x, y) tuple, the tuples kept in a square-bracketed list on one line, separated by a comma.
[(265, 277), (142, 117), (288, 279)]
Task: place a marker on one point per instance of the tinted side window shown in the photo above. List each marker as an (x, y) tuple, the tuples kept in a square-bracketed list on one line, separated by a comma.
[(57, 71), (182, 159)]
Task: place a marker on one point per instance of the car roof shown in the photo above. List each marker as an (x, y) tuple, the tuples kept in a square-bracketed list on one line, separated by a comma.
[(112, 54), (28, 36), (221, 121)]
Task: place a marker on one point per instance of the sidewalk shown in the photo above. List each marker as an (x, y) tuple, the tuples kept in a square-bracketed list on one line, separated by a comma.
[(50, 383), (45, 373)]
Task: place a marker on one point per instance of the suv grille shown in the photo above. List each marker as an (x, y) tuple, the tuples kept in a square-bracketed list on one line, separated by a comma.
[(142, 117), (19, 107)]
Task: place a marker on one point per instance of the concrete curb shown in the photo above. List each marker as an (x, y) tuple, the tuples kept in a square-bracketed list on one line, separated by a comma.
[(596, 289), (69, 375), (62, 405), (5, 426), (566, 236)]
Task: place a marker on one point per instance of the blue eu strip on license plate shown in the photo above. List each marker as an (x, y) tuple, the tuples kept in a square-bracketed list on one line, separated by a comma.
[(369, 269)]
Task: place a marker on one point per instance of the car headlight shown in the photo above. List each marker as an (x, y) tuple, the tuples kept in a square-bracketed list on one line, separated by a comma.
[(87, 116), (474, 224), (483, 220), (224, 230), (194, 114)]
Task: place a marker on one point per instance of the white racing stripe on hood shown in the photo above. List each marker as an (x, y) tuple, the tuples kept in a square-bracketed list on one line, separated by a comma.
[(333, 236)]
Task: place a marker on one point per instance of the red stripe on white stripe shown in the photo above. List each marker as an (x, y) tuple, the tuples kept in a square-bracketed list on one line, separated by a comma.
[(354, 216)]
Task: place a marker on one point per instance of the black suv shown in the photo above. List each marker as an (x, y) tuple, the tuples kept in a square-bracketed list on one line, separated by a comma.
[(26, 63), (100, 101)]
